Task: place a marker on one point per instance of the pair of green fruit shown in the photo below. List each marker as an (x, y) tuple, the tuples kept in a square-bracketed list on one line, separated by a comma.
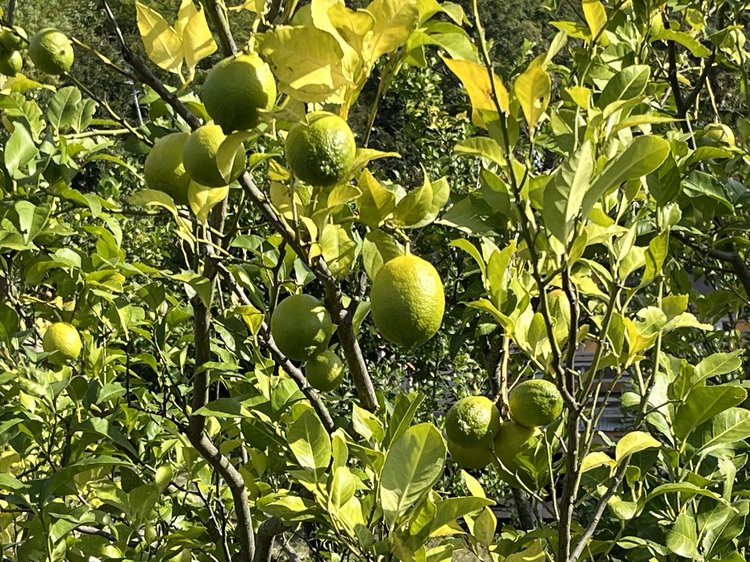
[(476, 434), (302, 328), (49, 49)]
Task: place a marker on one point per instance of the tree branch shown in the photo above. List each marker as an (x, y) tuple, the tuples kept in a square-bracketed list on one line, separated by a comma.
[(290, 368), (599, 510), (266, 534), (233, 478), (740, 268), (221, 26)]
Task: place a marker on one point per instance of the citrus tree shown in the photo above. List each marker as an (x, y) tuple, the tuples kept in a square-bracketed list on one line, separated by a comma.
[(206, 300)]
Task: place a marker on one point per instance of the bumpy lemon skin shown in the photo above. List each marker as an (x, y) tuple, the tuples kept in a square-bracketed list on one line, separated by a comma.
[(321, 150), (408, 301), (51, 51), (472, 422), (325, 372), (511, 439), (164, 169), (200, 153), (301, 327), (474, 458), (63, 341), (237, 89), (535, 403)]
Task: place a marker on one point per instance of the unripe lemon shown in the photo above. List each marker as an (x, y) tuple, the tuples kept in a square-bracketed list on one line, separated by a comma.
[(472, 422), (301, 327), (51, 51), (470, 457), (11, 63), (164, 170), (236, 88), (321, 150), (63, 342), (325, 372), (511, 440), (407, 300), (200, 157), (535, 402), (9, 41)]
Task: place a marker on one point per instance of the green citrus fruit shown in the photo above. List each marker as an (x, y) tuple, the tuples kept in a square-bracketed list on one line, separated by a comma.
[(407, 300), (716, 134), (321, 149), (511, 440), (325, 372), (470, 457), (535, 402), (63, 342), (472, 421), (236, 88), (200, 157), (164, 169), (9, 41), (51, 51), (11, 63), (301, 327)]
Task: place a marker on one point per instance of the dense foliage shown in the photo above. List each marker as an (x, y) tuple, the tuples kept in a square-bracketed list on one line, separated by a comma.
[(578, 176)]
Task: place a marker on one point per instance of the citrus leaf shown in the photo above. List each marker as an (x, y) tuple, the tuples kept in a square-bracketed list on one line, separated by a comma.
[(197, 41), (703, 403), (476, 81), (412, 465), (162, 43), (310, 444), (394, 20), (632, 443), (533, 89), (306, 61)]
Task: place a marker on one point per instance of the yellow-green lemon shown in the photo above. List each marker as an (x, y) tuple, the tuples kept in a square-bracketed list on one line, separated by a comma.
[(321, 149), (63, 342), (407, 301), (472, 421), (236, 89), (325, 372), (301, 327), (535, 402), (512, 440), (51, 51), (9, 41), (164, 170), (11, 63), (470, 457), (204, 161)]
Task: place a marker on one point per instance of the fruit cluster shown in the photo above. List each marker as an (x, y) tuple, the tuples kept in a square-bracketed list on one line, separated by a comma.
[(478, 437)]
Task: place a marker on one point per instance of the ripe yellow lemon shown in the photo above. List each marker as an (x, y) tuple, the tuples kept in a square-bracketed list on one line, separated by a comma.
[(321, 149), (63, 342), (407, 301), (325, 372), (512, 440), (11, 63), (51, 51), (164, 169), (470, 457), (200, 157), (472, 422), (301, 327), (236, 89), (535, 402)]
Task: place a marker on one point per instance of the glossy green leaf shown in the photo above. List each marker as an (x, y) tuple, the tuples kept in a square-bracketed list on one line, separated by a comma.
[(703, 403), (412, 465), (310, 444)]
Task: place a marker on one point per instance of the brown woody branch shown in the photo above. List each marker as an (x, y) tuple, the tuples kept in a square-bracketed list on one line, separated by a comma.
[(601, 506)]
